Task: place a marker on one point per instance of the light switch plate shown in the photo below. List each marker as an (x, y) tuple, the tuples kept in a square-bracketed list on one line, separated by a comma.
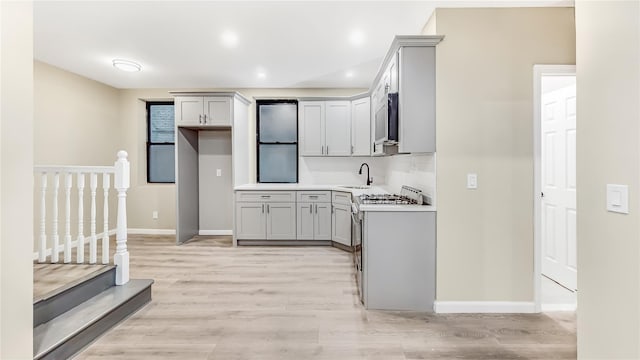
[(218, 172), (618, 198), (472, 181)]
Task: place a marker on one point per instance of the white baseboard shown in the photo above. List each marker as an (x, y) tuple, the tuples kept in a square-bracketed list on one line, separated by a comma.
[(215, 232), (151, 231), (501, 307), (74, 244), (558, 307)]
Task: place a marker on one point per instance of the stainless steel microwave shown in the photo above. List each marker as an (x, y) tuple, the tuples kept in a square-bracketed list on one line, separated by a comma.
[(386, 125)]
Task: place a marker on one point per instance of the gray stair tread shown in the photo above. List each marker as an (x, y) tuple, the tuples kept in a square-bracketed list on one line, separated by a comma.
[(73, 283), (51, 334)]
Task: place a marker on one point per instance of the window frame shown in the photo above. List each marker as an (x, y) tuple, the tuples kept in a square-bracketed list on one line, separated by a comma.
[(150, 143), (258, 142)]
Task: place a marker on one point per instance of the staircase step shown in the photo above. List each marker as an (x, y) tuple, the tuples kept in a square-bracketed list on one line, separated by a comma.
[(73, 294), (68, 333)]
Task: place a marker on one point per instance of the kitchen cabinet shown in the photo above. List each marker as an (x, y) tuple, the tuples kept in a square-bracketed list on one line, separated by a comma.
[(409, 71), (203, 110), (325, 128), (314, 215), (361, 127), (265, 215), (341, 218)]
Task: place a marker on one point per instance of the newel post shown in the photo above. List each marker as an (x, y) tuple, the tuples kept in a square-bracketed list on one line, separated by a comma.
[(121, 182)]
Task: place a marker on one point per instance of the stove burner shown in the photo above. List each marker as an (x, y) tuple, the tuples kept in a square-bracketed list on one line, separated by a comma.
[(387, 199)]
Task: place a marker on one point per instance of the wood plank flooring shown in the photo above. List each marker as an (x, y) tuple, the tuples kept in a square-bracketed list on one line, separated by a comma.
[(213, 301)]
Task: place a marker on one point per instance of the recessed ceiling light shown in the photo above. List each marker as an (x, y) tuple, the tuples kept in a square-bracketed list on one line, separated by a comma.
[(126, 65), (261, 75), (229, 38), (349, 74), (357, 37)]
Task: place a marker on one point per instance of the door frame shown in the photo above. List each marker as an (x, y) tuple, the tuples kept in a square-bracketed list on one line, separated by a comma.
[(538, 72)]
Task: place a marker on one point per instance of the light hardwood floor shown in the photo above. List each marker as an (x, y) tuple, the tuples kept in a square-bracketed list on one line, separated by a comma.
[(213, 301)]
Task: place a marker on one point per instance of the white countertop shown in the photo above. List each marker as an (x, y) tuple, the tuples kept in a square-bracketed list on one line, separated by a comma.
[(346, 188)]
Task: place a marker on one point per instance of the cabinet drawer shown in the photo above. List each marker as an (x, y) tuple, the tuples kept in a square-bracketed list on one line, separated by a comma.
[(266, 196), (340, 197), (314, 196)]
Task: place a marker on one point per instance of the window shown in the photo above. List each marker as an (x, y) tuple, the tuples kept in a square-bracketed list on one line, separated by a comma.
[(277, 135), (160, 142)]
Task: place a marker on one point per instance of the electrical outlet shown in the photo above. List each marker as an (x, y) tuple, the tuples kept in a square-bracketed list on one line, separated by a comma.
[(218, 172), (154, 215)]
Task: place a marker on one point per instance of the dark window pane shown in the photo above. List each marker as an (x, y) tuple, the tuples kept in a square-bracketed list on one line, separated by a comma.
[(161, 124), (161, 163), (278, 123), (278, 163)]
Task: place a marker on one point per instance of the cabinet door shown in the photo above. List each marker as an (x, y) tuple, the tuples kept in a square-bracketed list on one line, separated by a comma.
[(392, 74), (341, 228), (250, 221), (189, 110), (361, 127), (338, 128), (281, 221), (304, 221), (311, 132), (217, 110), (322, 221)]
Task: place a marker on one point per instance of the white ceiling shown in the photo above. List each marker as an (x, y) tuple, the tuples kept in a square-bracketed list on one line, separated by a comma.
[(179, 43)]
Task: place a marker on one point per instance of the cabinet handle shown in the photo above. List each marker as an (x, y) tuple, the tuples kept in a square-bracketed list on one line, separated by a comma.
[(205, 118), (311, 209), (332, 208), (316, 207), (265, 196), (313, 196), (322, 151), (200, 119), (327, 149), (263, 208), (351, 149), (267, 208)]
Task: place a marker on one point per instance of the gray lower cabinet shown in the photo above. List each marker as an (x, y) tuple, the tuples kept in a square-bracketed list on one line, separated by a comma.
[(281, 221), (341, 224), (314, 218), (251, 221), (263, 220)]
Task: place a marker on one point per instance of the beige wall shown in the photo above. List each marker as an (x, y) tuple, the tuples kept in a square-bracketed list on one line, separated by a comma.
[(608, 105), (76, 119), (16, 185), (485, 126)]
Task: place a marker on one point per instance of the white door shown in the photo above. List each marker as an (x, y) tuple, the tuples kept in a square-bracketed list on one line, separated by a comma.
[(311, 133), (559, 186), (338, 128)]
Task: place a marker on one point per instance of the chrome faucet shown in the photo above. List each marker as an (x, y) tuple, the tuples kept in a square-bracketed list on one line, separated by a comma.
[(369, 180)]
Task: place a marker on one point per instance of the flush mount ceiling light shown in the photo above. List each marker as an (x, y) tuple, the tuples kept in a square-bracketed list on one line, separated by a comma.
[(349, 74), (229, 39), (261, 75), (126, 65)]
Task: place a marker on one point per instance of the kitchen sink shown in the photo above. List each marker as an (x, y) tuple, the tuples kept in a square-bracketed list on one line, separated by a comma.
[(357, 186)]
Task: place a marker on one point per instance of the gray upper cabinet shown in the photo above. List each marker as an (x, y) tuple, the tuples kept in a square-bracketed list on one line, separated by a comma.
[(203, 110), (361, 127), (325, 128)]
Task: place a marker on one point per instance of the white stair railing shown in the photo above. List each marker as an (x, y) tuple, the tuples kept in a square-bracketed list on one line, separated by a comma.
[(49, 246)]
